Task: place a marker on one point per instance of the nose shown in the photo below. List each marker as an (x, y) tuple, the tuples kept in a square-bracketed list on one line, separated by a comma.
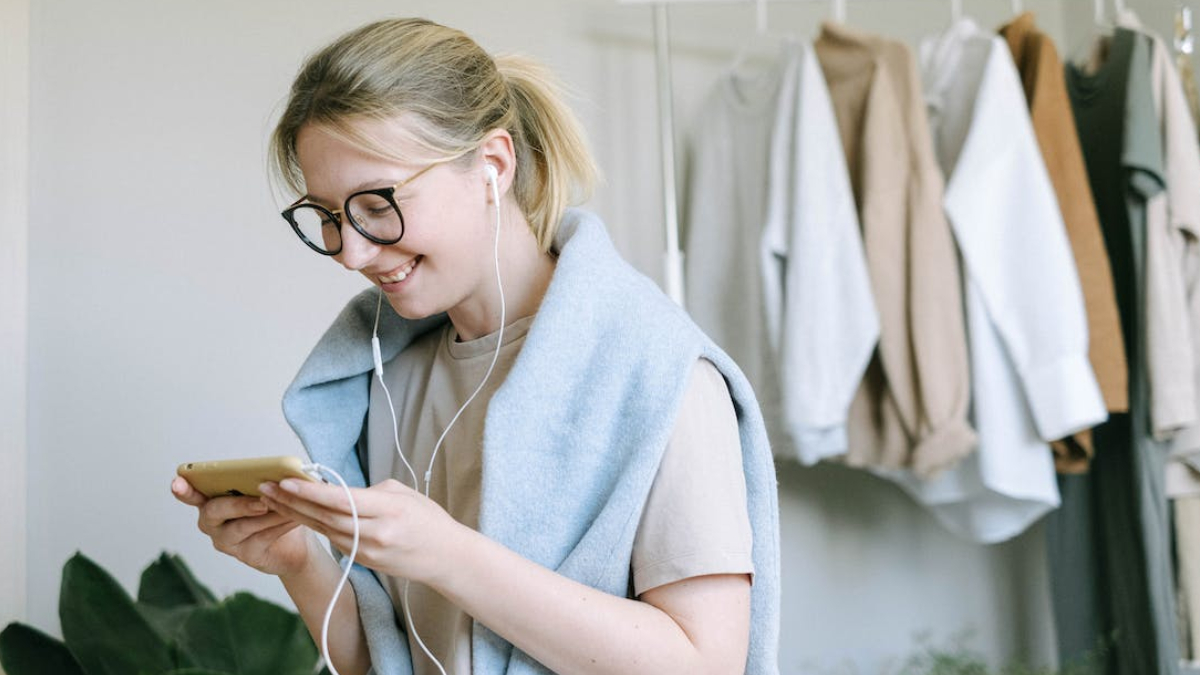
[(357, 250)]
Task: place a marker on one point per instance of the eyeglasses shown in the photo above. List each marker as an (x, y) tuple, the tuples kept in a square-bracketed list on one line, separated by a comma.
[(373, 213)]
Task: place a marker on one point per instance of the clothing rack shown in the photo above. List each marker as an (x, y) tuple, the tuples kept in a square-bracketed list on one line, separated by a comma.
[(673, 257)]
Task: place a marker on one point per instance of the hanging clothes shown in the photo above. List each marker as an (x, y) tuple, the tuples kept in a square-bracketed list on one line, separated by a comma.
[(1173, 233), (821, 316), (1026, 324), (911, 409), (1050, 110), (1173, 261), (1172, 228), (1184, 43), (1183, 488), (1187, 523), (775, 266), (1126, 591)]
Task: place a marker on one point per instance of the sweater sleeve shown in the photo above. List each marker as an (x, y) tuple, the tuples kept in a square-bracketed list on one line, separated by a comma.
[(939, 388), (1016, 252), (828, 325)]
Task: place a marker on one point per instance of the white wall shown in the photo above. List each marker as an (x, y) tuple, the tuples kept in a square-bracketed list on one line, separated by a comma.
[(169, 305), (14, 271)]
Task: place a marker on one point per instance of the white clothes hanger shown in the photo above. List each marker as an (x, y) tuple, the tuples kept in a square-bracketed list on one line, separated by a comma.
[(1018, 7), (1089, 54), (956, 10), (747, 51)]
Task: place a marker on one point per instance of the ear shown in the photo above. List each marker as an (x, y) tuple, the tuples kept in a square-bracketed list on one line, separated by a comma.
[(497, 150)]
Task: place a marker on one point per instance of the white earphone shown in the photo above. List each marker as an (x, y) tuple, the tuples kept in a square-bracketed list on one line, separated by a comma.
[(493, 179)]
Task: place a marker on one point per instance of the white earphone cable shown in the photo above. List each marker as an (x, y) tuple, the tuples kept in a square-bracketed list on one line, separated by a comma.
[(349, 562), (386, 393), (499, 339)]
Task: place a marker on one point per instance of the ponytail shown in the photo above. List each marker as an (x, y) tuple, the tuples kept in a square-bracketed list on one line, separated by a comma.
[(554, 165)]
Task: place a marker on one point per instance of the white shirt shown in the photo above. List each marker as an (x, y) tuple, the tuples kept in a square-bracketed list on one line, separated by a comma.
[(775, 263), (1026, 322)]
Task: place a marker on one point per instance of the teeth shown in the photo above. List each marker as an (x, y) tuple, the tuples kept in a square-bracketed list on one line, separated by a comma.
[(399, 276)]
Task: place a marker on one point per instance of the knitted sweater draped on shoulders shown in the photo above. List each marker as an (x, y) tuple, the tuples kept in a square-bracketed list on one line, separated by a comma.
[(572, 438)]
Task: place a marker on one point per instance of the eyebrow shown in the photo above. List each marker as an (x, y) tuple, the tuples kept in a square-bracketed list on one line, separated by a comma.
[(366, 185)]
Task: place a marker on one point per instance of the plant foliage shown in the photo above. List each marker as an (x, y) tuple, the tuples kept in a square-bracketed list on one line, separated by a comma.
[(176, 626)]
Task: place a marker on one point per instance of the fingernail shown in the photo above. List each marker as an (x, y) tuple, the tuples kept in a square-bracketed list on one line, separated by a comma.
[(266, 488), (289, 485)]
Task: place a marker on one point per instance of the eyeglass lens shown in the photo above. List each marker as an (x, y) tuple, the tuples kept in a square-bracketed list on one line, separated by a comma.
[(374, 214)]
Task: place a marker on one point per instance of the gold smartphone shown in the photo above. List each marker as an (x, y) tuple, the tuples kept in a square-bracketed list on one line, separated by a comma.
[(241, 477)]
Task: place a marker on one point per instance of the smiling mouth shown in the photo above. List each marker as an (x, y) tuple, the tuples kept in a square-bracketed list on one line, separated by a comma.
[(402, 273)]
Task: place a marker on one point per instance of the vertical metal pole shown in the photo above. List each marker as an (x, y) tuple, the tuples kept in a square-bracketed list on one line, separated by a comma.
[(673, 259), (839, 11)]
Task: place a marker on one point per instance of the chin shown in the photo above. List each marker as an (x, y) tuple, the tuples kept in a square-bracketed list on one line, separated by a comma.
[(415, 312)]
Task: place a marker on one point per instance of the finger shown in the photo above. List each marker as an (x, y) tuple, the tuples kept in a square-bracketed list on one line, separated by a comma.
[(235, 532), (311, 515), (219, 510), (185, 493), (255, 550), (345, 544), (331, 497), (314, 500)]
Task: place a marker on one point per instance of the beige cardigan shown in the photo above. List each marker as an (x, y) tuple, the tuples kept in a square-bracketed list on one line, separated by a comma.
[(1053, 123), (911, 409)]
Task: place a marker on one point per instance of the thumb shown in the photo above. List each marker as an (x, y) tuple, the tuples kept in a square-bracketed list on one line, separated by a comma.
[(185, 493)]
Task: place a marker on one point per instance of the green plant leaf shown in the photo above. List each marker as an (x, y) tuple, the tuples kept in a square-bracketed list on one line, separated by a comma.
[(167, 622), (248, 636), (103, 628), (168, 582), (25, 650)]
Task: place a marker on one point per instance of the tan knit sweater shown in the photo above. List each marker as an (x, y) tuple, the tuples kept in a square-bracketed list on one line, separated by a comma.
[(911, 409)]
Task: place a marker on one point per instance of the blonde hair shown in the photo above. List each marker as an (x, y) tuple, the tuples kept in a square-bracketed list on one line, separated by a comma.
[(450, 94)]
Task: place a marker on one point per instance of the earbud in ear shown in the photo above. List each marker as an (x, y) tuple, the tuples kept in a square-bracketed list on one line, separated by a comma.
[(491, 172)]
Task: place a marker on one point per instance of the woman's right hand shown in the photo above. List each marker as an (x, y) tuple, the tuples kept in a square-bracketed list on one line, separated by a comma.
[(244, 528)]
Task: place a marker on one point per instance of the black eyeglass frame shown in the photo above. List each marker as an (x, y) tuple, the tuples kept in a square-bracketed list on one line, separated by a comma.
[(388, 193)]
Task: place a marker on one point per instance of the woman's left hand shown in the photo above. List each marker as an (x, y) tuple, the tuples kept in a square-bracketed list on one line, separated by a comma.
[(402, 533)]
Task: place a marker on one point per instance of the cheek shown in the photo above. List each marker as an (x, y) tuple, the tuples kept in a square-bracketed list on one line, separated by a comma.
[(449, 228)]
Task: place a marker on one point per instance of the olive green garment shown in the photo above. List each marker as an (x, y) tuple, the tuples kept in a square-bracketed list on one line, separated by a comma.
[(1110, 543)]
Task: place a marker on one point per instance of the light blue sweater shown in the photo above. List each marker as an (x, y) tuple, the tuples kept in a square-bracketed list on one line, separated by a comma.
[(572, 438)]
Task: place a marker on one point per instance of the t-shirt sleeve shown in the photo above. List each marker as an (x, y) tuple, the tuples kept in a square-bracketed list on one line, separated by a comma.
[(696, 521)]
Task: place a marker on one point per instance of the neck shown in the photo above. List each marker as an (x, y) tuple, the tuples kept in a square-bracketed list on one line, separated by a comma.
[(525, 272)]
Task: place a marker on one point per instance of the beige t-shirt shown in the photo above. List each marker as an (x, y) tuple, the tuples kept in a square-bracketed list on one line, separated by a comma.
[(695, 521)]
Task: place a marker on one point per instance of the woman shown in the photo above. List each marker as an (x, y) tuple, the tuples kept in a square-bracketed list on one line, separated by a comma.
[(593, 506)]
